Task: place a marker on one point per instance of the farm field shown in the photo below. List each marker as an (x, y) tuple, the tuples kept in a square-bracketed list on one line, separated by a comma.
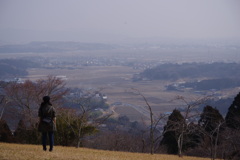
[(25, 152), (116, 83)]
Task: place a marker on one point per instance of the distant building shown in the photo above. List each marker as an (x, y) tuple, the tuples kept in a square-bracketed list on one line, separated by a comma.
[(62, 77), (17, 80)]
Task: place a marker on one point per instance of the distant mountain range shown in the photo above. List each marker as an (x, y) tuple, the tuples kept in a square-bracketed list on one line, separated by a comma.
[(63, 46), (54, 46)]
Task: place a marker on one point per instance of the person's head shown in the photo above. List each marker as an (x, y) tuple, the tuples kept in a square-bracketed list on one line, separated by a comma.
[(46, 99)]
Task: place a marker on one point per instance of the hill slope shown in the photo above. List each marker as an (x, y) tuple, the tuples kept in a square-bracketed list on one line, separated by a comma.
[(24, 152)]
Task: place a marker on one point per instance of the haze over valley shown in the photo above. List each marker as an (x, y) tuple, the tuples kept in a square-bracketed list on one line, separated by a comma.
[(118, 69)]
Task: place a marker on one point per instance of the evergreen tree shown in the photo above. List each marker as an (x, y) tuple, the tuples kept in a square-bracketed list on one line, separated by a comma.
[(71, 128), (233, 115), (28, 135), (193, 137), (210, 119), (211, 122), (21, 132), (5, 132), (64, 135), (172, 130)]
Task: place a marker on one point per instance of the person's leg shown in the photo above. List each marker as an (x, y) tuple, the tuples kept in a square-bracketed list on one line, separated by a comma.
[(51, 140), (44, 140)]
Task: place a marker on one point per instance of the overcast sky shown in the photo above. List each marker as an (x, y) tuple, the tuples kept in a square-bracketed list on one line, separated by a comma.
[(118, 20)]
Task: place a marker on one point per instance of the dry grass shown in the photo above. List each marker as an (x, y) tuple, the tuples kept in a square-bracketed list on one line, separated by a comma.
[(34, 152)]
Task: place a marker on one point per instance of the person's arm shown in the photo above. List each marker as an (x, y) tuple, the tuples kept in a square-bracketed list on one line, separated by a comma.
[(54, 115), (54, 120), (40, 114)]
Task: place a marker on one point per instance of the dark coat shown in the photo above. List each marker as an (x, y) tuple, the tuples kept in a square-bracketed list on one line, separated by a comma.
[(46, 112)]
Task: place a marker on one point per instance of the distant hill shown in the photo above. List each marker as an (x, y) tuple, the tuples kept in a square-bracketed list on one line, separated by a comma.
[(54, 46), (208, 84), (191, 70), (15, 67), (198, 77)]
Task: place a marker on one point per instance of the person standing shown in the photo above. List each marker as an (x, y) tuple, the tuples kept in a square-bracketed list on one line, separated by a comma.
[(47, 122)]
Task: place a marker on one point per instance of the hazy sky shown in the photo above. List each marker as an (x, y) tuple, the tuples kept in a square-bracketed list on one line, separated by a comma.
[(118, 20)]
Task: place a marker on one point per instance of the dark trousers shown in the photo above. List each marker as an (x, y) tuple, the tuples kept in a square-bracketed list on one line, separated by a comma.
[(44, 140)]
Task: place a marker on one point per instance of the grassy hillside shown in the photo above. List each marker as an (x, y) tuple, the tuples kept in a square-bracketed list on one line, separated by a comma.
[(30, 152)]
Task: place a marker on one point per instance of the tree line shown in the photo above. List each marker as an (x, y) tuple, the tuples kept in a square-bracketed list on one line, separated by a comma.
[(171, 71), (83, 120), (15, 67)]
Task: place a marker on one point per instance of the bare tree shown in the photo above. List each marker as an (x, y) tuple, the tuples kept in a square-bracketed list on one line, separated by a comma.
[(51, 86), (3, 99), (189, 116), (28, 96), (2, 105), (211, 122), (154, 122), (230, 145), (182, 127), (213, 137)]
